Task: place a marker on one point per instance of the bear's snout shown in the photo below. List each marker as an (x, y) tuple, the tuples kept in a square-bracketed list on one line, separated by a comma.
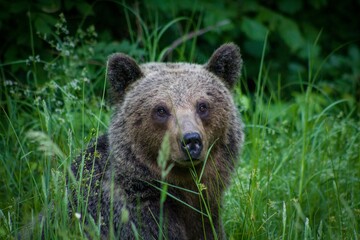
[(192, 145)]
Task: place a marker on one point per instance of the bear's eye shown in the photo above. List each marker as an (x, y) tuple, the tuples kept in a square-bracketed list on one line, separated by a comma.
[(161, 112), (203, 109)]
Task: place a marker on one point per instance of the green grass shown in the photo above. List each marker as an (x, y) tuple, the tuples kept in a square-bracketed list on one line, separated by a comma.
[(298, 177)]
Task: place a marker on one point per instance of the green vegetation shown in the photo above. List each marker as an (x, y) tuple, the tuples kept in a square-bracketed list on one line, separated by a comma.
[(299, 174)]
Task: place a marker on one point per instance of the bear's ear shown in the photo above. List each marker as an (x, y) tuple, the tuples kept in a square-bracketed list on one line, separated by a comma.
[(122, 70), (226, 63)]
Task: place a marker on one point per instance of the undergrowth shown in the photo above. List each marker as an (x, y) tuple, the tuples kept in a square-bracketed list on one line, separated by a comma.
[(298, 177)]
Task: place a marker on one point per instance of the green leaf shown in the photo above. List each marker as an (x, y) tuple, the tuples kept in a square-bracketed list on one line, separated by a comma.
[(290, 33), (85, 8), (253, 29), (44, 23), (290, 7)]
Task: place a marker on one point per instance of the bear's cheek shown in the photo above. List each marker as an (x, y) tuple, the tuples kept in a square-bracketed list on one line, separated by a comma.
[(146, 134), (215, 126), (175, 151)]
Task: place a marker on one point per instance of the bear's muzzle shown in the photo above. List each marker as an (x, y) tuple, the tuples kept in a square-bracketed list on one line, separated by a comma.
[(191, 145)]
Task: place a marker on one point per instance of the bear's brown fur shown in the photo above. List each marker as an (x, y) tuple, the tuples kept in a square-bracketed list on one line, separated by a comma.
[(193, 104)]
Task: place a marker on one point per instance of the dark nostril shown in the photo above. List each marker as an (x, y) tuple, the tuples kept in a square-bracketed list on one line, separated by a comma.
[(191, 139), (192, 145)]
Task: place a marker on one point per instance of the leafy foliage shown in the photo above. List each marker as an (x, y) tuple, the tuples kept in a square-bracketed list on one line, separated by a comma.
[(298, 31), (299, 97)]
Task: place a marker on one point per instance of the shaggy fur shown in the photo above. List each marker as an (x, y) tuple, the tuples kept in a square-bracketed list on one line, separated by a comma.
[(150, 100)]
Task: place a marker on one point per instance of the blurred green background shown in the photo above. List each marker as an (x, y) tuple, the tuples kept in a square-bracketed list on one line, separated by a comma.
[(325, 31)]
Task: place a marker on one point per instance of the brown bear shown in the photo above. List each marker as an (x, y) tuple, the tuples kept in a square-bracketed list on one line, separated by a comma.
[(120, 176)]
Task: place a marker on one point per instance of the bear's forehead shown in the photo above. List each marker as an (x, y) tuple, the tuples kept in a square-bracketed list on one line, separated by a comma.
[(170, 67), (176, 75), (179, 83)]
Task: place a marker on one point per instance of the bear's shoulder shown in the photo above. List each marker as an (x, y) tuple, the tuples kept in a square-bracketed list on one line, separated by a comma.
[(94, 159)]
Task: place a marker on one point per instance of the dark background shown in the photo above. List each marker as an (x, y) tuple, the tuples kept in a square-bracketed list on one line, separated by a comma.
[(302, 35)]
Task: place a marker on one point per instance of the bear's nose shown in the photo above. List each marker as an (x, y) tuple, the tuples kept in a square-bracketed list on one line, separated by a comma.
[(191, 144)]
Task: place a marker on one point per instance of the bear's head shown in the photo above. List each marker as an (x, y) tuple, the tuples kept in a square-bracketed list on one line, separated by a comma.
[(191, 102)]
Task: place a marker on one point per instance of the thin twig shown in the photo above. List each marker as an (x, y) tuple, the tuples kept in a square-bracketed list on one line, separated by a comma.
[(191, 35)]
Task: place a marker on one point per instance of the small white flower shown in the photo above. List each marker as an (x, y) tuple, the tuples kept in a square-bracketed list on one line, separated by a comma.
[(77, 215)]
